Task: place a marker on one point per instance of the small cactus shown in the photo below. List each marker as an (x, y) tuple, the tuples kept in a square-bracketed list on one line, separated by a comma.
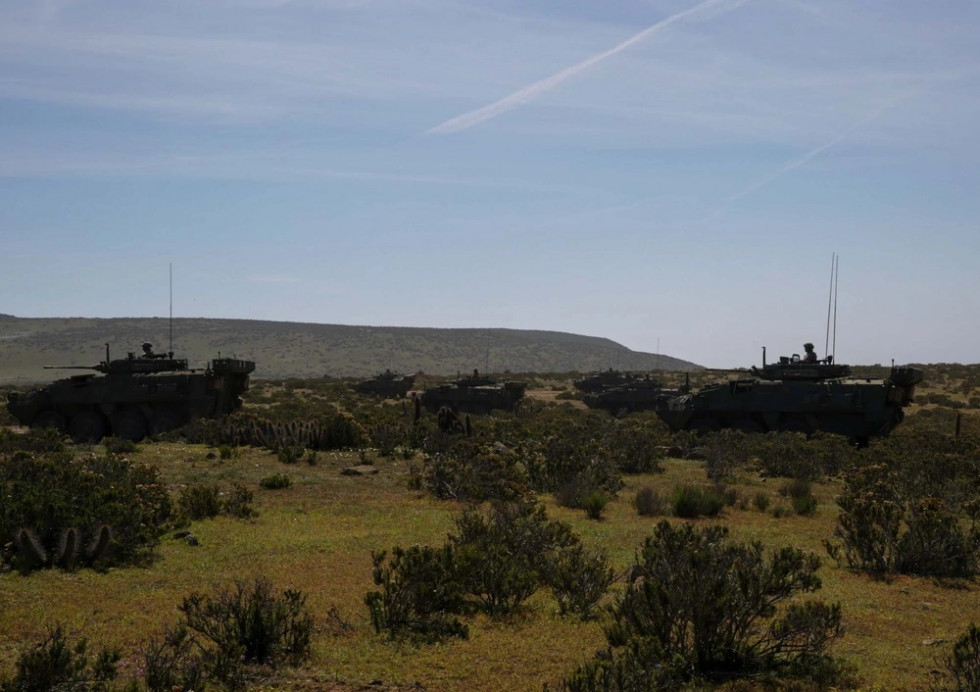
[(69, 548), (29, 546), (99, 545)]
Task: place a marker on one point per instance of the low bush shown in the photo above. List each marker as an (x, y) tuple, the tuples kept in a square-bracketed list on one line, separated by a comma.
[(649, 503), (173, 661), (594, 504), (68, 512), (118, 445), (961, 667), (239, 502), (464, 469), (56, 663), (800, 494), (579, 579), (198, 502), (40, 441), (885, 528), (692, 501), (702, 608), (290, 454), (420, 590), (506, 553), (248, 624), (276, 481)]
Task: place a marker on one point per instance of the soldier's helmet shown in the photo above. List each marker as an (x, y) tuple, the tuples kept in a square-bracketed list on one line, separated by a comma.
[(808, 346)]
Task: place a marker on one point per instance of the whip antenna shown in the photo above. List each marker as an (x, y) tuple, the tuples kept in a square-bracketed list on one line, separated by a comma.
[(830, 296), (836, 272), (171, 349)]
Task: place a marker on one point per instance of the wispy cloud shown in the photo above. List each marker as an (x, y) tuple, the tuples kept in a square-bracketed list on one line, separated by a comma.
[(813, 153), (708, 8)]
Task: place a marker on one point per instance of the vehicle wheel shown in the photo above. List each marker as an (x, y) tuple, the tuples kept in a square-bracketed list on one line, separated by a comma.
[(165, 420), (747, 425), (795, 424), (704, 424), (129, 424), (50, 419), (86, 426)]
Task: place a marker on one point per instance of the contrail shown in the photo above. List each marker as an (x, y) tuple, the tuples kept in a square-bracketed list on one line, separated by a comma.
[(815, 152), (528, 93)]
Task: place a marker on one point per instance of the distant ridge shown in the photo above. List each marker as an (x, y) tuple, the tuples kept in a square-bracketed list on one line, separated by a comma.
[(299, 349)]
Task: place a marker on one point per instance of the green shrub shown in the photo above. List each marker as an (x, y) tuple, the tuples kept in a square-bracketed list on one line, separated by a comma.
[(637, 444), (650, 503), (40, 441), (702, 608), (198, 502), (173, 662), (573, 492), (761, 501), (579, 579), (420, 589), (594, 503), (249, 624), (886, 526), (226, 452), (290, 454), (70, 513), (55, 663), (464, 469), (507, 552), (276, 481), (800, 494), (118, 445), (692, 501), (239, 502), (962, 665)]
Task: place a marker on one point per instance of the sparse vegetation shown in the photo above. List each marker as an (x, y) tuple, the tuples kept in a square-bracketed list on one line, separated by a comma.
[(701, 608), (483, 499)]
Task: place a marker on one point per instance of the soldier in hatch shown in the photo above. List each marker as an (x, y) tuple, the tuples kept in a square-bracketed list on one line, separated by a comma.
[(148, 351), (810, 356)]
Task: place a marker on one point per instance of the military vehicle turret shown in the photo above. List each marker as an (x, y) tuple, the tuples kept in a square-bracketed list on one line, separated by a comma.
[(133, 396), (474, 394), (387, 384), (602, 380), (638, 394), (795, 395)]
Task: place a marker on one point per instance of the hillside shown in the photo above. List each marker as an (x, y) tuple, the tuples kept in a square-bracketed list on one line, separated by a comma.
[(293, 349)]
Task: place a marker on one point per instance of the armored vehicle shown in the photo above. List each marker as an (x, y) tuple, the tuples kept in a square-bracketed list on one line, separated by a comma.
[(603, 380), (795, 395), (474, 395), (133, 397), (387, 384), (638, 394)]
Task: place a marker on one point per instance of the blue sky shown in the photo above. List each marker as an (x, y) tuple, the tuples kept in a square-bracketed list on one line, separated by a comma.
[(671, 174)]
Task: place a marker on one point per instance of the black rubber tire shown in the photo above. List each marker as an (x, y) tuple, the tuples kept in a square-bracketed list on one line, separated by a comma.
[(129, 424), (87, 427), (747, 425), (50, 419), (164, 420)]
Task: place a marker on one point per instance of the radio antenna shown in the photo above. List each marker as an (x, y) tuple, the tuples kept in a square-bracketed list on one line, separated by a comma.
[(830, 347), (171, 349), (830, 297), (836, 272)]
